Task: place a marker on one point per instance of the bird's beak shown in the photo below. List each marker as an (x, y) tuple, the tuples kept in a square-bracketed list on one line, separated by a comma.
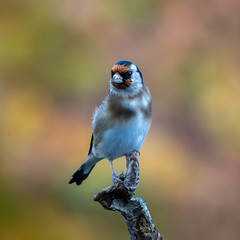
[(117, 79)]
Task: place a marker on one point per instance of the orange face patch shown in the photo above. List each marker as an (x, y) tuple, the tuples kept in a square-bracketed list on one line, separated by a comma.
[(124, 85), (120, 68)]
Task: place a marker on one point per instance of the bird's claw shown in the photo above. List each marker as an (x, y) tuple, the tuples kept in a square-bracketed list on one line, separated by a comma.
[(117, 178)]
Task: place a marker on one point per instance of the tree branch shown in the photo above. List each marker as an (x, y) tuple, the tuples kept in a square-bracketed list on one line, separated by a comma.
[(119, 197)]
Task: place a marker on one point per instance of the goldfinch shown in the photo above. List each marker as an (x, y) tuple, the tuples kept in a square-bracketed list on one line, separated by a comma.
[(121, 123)]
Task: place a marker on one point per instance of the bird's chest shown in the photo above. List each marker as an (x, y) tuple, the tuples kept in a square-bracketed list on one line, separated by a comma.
[(125, 136), (120, 126)]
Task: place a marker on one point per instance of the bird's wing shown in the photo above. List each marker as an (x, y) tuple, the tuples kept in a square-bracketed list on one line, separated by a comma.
[(91, 144), (99, 123)]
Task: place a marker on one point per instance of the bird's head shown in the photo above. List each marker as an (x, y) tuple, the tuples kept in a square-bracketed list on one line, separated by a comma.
[(126, 79)]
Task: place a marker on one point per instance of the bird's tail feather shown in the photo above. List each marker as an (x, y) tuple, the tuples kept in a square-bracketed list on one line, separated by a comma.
[(82, 173)]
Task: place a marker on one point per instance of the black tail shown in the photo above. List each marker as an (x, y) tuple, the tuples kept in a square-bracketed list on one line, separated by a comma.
[(80, 175)]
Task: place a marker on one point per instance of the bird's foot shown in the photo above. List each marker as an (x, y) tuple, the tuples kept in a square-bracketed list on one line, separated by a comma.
[(117, 178)]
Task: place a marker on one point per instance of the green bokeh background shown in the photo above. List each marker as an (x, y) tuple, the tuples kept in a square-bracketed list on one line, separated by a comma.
[(55, 61)]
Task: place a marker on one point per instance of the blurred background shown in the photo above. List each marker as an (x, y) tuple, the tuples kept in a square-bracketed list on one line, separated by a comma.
[(55, 62)]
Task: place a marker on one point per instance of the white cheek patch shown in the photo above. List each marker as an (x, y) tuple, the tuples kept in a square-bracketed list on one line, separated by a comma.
[(136, 79), (133, 67)]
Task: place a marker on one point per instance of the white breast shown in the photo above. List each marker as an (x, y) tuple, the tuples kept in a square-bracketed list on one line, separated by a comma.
[(124, 138)]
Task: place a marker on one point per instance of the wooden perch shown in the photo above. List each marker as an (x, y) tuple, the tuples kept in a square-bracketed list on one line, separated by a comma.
[(119, 197)]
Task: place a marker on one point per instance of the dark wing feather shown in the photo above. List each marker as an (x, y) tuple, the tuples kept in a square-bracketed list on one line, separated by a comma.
[(91, 144)]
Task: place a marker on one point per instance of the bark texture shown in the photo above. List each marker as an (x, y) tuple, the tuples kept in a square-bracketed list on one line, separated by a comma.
[(119, 197)]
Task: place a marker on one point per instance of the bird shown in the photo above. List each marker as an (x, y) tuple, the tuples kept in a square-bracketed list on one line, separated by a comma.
[(121, 123)]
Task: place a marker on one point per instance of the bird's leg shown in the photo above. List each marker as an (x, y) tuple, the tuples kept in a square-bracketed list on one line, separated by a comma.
[(115, 177)]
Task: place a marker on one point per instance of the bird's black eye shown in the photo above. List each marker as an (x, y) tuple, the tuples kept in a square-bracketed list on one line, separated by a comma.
[(128, 74)]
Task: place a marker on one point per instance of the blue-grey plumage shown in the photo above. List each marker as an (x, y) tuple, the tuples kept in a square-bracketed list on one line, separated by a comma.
[(122, 121)]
